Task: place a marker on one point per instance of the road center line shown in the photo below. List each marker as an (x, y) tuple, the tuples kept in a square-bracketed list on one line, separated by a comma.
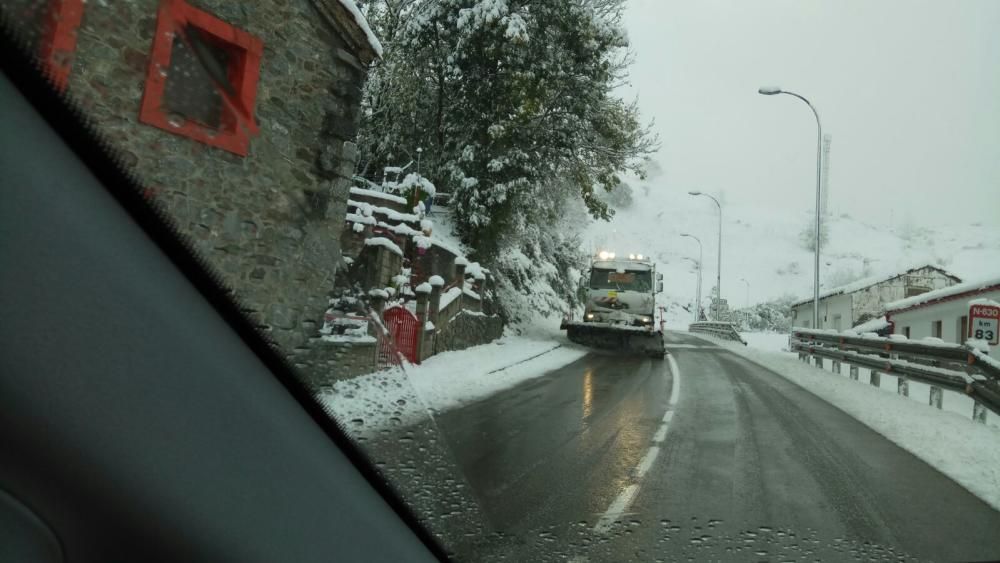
[(616, 509), (675, 388), (647, 461), (627, 495)]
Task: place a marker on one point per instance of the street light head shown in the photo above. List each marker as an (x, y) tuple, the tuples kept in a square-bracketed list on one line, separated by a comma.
[(694, 193), (768, 90)]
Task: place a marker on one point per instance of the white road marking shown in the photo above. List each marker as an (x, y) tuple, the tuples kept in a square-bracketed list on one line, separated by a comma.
[(627, 495), (675, 388), (647, 461), (661, 433), (690, 346), (616, 509)]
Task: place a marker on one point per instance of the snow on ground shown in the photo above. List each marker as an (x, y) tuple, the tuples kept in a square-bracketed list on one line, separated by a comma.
[(967, 452), (401, 397), (769, 341)]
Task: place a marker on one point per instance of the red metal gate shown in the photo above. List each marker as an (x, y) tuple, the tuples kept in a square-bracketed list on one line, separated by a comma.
[(402, 326)]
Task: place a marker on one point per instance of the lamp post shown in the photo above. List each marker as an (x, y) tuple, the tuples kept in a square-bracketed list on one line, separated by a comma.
[(697, 308), (718, 272), (697, 290), (772, 91)]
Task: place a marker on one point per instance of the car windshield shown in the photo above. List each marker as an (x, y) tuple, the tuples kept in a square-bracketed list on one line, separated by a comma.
[(409, 196), (625, 280)]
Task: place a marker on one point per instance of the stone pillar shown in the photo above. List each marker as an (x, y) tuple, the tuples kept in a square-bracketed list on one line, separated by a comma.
[(979, 412), (434, 308), (459, 279), (875, 379), (423, 291), (854, 372), (935, 397), (903, 386), (378, 298)]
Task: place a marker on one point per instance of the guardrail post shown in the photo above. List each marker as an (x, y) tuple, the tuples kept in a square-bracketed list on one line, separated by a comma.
[(979, 412), (903, 386), (854, 373), (836, 366), (936, 394), (804, 357), (819, 361), (875, 379)]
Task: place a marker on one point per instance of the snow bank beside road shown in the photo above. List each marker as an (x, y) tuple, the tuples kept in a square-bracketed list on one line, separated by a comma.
[(967, 452), (769, 341), (372, 402)]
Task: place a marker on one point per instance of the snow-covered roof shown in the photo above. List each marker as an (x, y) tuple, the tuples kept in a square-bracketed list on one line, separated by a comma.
[(360, 24), (449, 296), (865, 283), (379, 195), (382, 241), (367, 209), (945, 293), (873, 325)]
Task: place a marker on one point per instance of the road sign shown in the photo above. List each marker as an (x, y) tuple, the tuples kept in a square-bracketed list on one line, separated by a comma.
[(984, 323)]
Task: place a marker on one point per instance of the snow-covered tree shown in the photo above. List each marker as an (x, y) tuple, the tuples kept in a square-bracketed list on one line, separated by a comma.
[(513, 104), (506, 97)]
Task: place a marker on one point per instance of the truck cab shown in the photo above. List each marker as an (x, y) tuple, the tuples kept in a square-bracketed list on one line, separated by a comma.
[(622, 290)]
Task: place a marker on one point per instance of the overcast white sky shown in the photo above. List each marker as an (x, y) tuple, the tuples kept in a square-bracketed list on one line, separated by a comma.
[(909, 89)]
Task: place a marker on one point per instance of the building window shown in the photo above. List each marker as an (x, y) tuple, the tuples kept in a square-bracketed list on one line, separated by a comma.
[(912, 290), (202, 78), (936, 329), (962, 329), (906, 331), (58, 45)]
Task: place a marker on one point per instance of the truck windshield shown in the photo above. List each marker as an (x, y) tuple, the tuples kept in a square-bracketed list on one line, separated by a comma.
[(629, 280)]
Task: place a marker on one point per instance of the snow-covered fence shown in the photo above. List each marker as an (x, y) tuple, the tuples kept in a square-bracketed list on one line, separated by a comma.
[(955, 367), (726, 331)]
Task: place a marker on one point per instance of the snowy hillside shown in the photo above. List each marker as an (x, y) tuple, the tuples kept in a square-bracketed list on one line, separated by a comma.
[(766, 247)]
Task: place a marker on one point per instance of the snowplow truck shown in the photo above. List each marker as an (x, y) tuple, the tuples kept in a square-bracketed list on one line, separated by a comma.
[(620, 305)]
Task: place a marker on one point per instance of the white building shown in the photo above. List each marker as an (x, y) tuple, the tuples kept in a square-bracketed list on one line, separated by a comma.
[(850, 305), (943, 313)]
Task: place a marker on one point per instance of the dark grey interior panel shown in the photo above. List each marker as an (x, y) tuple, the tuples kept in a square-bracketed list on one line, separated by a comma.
[(133, 421)]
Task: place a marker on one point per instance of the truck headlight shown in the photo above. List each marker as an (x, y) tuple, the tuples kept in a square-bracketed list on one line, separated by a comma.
[(590, 316)]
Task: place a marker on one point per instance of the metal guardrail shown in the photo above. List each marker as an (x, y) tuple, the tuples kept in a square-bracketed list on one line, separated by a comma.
[(726, 331), (942, 366)]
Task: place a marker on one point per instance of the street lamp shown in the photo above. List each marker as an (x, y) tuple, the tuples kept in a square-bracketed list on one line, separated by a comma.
[(718, 273), (772, 91), (748, 291), (697, 308)]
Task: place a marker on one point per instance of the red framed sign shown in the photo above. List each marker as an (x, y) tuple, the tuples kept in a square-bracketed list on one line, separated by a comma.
[(984, 323), (202, 78)]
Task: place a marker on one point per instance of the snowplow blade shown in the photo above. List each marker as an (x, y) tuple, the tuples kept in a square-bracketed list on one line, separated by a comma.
[(625, 339)]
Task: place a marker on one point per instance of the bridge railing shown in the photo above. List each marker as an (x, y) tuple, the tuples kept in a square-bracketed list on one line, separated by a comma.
[(956, 367), (726, 331)]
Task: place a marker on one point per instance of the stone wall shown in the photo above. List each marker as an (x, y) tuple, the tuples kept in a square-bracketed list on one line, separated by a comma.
[(467, 329), (324, 363), (269, 222)]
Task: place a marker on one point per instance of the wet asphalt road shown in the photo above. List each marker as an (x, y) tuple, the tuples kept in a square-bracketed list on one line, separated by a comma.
[(751, 467)]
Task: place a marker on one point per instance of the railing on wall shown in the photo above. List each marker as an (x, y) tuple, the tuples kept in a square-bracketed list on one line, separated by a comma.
[(726, 331), (955, 367)]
